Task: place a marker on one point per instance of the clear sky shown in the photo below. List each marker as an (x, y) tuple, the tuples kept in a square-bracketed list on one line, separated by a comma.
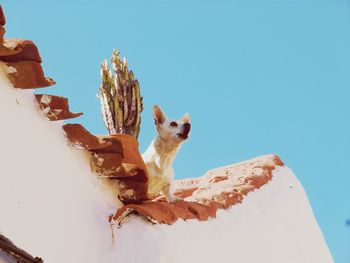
[(257, 77)]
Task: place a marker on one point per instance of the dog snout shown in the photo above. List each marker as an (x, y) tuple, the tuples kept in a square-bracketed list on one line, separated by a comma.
[(186, 127), (186, 130)]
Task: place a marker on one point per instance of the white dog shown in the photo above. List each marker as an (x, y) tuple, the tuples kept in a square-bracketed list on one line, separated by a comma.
[(161, 153)]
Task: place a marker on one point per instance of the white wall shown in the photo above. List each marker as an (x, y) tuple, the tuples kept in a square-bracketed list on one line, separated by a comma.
[(274, 224), (50, 203)]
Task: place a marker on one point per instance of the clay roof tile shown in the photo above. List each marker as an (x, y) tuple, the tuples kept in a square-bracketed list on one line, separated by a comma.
[(218, 188), (2, 17)]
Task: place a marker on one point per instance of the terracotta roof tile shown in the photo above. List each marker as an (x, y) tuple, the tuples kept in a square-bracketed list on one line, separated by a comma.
[(2, 17), (130, 170), (79, 137), (219, 188), (26, 50), (28, 75), (116, 159), (55, 107), (2, 34)]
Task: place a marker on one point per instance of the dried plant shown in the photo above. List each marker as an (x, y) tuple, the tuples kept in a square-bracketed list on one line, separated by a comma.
[(120, 97)]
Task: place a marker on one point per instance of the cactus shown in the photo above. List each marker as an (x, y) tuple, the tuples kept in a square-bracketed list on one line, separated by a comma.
[(121, 102)]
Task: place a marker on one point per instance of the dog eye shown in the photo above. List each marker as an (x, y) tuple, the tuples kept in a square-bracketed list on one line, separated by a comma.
[(173, 124)]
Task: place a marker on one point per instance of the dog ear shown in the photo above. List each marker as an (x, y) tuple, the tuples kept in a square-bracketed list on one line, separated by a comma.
[(186, 118), (158, 115)]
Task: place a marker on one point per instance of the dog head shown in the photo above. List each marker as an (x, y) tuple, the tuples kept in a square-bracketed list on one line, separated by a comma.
[(171, 130)]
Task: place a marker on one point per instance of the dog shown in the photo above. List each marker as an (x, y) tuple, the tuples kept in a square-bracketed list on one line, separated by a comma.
[(162, 151)]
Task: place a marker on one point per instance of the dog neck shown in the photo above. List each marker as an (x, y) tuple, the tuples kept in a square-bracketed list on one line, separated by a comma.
[(164, 152)]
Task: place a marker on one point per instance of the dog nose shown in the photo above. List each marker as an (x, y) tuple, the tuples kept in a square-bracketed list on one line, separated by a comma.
[(187, 128)]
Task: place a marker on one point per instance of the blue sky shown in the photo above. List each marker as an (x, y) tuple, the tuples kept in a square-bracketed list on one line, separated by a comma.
[(257, 77)]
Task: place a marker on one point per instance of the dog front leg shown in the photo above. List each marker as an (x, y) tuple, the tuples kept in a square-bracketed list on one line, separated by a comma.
[(166, 192), (169, 195)]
